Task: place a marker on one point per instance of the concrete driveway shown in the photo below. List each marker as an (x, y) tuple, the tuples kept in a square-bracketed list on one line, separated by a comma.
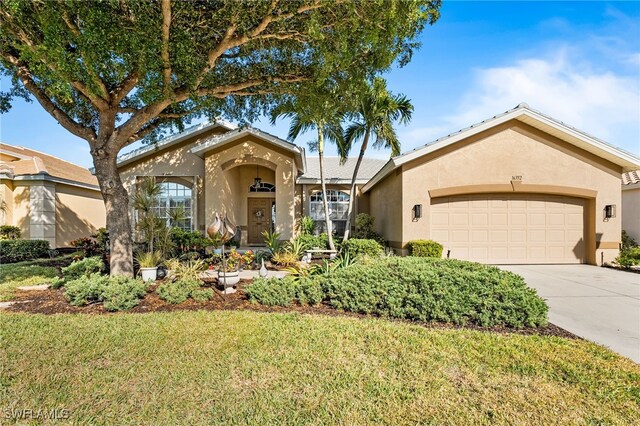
[(598, 304)]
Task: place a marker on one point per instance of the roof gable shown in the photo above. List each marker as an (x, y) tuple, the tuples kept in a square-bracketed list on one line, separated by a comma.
[(216, 142), (528, 116)]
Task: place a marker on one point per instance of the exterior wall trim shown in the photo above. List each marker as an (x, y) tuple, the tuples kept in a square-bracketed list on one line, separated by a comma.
[(513, 187)]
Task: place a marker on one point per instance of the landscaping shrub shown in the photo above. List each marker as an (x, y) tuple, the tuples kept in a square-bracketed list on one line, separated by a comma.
[(285, 258), (123, 293), (94, 245), (86, 289), (84, 267), (284, 291), (202, 294), (628, 257), (117, 293), (188, 241), (356, 246), (314, 241), (9, 232), (364, 229), (177, 291), (19, 250), (627, 241), (424, 248), (441, 290)]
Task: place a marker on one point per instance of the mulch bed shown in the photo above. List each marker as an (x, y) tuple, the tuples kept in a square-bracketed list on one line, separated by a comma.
[(52, 301)]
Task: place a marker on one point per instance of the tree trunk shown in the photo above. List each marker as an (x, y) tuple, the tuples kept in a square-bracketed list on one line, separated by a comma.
[(352, 197), (325, 202), (116, 202)]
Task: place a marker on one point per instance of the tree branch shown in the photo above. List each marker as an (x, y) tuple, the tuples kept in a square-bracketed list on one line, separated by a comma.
[(166, 62), (67, 122), (123, 89)]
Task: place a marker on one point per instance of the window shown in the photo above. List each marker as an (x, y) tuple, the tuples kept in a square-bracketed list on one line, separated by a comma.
[(173, 198), (262, 187), (338, 206)]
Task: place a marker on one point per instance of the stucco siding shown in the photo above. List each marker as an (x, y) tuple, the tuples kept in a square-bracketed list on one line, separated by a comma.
[(79, 213), (514, 157), (386, 205), (631, 212)]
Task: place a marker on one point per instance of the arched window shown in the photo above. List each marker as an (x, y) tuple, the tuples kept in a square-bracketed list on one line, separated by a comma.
[(262, 187), (338, 207), (173, 199)]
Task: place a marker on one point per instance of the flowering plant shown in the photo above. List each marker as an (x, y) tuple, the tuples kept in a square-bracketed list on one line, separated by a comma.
[(233, 262), (248, 257)]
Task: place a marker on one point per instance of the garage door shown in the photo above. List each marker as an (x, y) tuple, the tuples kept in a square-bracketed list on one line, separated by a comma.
[(510, 228)]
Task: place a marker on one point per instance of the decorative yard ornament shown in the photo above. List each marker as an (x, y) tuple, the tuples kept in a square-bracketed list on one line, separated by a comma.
[(225, 230), (263, 270)]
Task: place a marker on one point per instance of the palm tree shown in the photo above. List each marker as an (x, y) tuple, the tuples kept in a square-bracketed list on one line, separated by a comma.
[(377, 111), (315, 111)]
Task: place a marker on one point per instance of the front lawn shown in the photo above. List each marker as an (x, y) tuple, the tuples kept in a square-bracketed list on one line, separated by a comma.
[(24, 274), (240, 367)]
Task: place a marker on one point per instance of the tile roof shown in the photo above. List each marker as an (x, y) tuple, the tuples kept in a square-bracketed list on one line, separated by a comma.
[(630, 178), (31, 162), (335, 171)]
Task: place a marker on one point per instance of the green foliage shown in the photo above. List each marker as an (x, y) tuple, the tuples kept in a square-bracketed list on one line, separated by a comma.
[(306, 225), (364, 228), (123, 293), (284, 291), (628, 241), (356, 247), (9, 232), (629, 257), (177, 291), (440, 290), (94, 245), (19, 250), (313, 241), (117, 293), (424, 248), (188, 241), (202, 294), (84, 267), (149, 259), (272, 241), (296, 247), (285, 258), (189, 270), (86, 289)]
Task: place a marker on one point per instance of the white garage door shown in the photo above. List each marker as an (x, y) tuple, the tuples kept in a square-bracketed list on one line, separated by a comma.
[(510, 228)]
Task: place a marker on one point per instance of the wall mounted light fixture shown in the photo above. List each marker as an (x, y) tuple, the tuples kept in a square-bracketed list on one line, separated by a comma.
[(416, 212), (609, 211)]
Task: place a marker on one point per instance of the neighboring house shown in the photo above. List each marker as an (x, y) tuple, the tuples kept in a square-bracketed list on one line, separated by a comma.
[(48, 198), (518, 188), (631, 204)]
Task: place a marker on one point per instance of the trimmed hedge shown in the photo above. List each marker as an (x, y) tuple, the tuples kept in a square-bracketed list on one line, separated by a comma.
[(20, 250), (414, 288), (178, 291), (313, 241), (424, 248), (285, 291), (83, 267), (357, 246)]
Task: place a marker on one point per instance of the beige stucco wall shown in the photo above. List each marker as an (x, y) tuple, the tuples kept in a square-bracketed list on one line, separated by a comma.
[(79, 213), (631, 211), (21, 209), (230, 170), (175, 160), (385, 204), (487, 163), (6, 200)]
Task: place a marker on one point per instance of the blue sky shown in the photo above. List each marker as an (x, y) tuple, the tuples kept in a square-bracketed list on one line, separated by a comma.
[(576, 61)]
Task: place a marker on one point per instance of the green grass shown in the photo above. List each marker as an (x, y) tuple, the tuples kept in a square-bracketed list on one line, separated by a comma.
[(16, 275), (241, 367), (31, 272)]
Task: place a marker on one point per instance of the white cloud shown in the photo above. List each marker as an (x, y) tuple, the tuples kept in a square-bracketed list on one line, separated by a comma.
[(604, 104)]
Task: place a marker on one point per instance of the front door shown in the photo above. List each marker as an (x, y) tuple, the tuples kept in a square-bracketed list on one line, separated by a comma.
[(259, 219)]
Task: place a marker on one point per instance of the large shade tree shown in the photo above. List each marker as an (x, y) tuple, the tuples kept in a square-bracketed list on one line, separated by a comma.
[(376, 112), (114, 72)]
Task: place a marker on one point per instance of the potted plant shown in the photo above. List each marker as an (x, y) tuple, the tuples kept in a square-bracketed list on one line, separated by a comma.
[(228, 274), (148, 262)]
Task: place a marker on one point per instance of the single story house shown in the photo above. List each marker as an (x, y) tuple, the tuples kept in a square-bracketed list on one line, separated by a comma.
[(48, 198), (520, 187), (631, 204)]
